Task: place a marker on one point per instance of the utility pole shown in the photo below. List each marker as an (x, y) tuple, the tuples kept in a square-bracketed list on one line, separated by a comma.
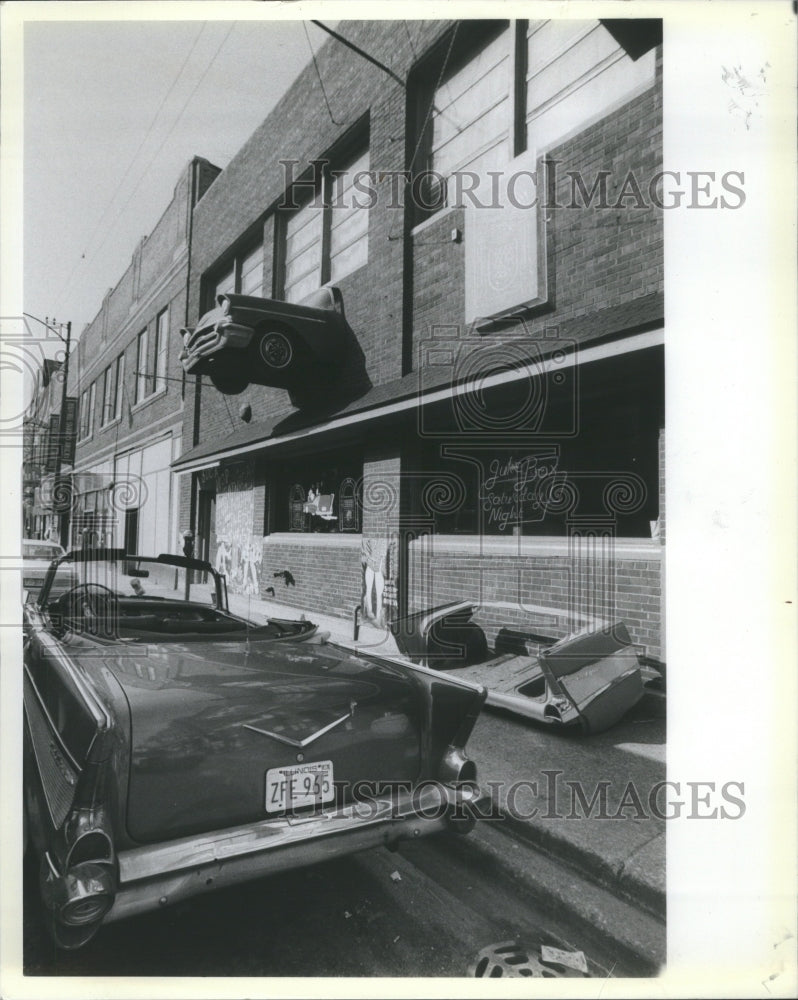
[(63, 525), (63, 520)]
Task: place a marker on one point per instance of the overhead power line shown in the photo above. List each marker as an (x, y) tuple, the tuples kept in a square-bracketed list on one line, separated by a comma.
[(163, 143), (133, 159)]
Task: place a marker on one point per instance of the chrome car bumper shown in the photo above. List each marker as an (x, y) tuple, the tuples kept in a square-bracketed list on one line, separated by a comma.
[(163, 874)]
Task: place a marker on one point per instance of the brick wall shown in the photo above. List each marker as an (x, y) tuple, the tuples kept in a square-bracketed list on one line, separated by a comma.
[(598, 257), (244, 196), (325, 572), (442, 571)]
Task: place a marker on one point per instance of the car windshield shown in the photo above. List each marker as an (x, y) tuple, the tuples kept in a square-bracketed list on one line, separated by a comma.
[(150, 580), (41, 550)]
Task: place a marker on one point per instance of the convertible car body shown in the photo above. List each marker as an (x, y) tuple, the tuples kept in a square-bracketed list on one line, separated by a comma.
[(539, 663), (172, 747)]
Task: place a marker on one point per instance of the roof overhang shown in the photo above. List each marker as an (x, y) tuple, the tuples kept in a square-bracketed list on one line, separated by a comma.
[(267, 439)]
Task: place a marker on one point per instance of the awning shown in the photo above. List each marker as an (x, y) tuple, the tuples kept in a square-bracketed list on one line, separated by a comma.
[(436, 383)]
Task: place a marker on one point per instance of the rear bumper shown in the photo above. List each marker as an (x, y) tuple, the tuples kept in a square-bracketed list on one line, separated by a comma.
[(157, 876)]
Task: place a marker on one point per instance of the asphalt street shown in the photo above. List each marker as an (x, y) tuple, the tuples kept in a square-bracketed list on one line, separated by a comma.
[(426, 910)]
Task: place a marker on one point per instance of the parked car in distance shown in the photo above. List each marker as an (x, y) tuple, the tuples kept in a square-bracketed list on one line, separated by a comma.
[(37, 554), (172, 747)]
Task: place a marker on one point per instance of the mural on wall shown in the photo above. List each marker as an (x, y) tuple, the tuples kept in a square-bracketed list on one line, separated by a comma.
[(239, 551), (379, 560)]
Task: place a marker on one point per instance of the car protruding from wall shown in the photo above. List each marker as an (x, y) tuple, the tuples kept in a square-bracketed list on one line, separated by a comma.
[(245, 339)]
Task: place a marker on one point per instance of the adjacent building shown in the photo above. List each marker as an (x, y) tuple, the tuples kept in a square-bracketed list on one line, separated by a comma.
[(127, 379), (485, 200)]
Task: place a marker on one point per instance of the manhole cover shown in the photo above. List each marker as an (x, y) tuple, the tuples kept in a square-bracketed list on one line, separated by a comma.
[(511, 959)]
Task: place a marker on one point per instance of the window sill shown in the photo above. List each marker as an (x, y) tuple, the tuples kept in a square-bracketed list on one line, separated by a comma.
[(148, 399), (321, 539), (436, 216), (535, 545), (112, 423)]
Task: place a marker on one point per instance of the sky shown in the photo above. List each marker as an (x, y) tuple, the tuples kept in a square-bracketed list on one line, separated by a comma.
[(113, 112)]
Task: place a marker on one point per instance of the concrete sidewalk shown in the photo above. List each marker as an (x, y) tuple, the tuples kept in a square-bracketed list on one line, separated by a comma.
[(583, 800)]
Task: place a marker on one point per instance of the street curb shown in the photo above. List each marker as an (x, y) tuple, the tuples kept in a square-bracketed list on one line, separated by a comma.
[(633, 935), (636, 891)]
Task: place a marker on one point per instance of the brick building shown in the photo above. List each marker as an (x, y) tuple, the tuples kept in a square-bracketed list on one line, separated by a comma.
[(126, 377), (40, 435), (492, 425)]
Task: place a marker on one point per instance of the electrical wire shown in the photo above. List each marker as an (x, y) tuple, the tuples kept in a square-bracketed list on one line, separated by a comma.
[(321, 82), (133, 159), (361, 52), (166, 137)]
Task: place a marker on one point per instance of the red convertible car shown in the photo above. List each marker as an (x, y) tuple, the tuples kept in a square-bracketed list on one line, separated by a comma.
[(172, 747)]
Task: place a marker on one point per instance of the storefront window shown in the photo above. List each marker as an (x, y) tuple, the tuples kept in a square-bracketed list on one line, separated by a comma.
[(320, 494), (603, 472)]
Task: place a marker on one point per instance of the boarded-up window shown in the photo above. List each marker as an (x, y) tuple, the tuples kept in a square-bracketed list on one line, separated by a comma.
[(252, 272), (303, 238), (576, 72), (471, 116), (349, 221), (226, 283), (327, 238)]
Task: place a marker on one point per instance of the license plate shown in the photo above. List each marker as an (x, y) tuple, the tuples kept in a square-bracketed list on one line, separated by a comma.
[(299, 785)]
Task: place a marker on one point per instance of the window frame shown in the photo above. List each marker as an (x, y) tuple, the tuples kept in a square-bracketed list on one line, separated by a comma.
[(109, 383), (83, 424), (325, 173), (92, 404), (161, 346), (456, 47), (120, 385), (463, 41), (142, 347)]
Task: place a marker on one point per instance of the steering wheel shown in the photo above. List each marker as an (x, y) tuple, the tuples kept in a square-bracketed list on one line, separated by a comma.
[(98, 609)]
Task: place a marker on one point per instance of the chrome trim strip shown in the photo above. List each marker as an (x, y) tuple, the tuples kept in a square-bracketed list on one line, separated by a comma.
[(160, 860), (53, 647), (300, 743), (308, 739), (52, 725)]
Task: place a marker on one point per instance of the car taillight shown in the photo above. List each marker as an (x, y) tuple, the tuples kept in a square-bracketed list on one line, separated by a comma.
[(89, 895)]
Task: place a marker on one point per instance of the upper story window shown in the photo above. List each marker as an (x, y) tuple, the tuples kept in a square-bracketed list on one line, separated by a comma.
[(252, 272), (575, 72), (161, 350), (243, 275), (120, 385), (326, 238), (113, 380), (492, 90), (87, 401), (141, 365), (109, 387), (489, 100)]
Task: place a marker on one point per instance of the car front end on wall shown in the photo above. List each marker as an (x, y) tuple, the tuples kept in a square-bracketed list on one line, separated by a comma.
[(171, 750)]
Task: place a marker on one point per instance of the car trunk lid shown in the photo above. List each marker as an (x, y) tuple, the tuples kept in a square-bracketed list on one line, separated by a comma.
[(218, 726)]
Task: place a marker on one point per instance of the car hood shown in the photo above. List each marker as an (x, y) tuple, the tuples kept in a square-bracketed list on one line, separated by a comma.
[(209, 719)]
